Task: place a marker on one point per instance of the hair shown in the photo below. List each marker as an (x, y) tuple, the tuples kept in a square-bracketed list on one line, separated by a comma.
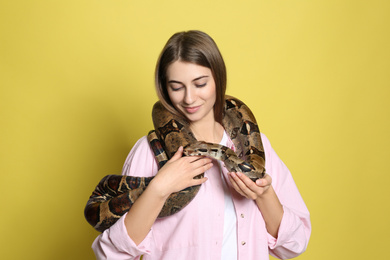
[(194, 47)]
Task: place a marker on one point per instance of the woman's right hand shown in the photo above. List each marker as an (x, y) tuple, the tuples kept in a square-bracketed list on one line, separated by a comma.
[(179, 172)]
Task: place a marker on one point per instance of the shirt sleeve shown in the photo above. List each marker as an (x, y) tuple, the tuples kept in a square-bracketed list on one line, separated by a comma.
[(295, 227), (114, 243)]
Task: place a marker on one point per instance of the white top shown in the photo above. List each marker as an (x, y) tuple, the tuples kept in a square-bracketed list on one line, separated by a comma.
[(229, 242)]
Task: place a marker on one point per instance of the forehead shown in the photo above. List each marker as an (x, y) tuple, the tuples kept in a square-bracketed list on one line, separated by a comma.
[(186, 71)]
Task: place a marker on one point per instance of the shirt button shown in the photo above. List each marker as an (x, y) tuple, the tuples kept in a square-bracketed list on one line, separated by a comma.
[(243, 243), (242, 215)]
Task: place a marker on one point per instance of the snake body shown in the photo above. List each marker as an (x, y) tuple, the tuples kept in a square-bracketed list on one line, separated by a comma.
[(115, 194)]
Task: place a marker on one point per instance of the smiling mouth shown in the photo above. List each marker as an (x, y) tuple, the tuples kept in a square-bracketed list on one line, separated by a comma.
[(192, 110)]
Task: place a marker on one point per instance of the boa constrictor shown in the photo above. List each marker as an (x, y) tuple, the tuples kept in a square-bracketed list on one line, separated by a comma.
[(115, 194)]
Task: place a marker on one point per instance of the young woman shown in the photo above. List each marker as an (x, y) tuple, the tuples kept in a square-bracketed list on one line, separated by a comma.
[(231, 217)]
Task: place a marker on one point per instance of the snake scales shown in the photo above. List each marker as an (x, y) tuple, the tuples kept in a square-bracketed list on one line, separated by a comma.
[(115, 194)]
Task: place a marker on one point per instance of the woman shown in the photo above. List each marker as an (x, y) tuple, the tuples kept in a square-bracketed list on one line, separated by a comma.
[(231, 217)]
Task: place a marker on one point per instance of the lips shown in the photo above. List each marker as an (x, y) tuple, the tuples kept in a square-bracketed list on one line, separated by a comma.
[(192, 110)]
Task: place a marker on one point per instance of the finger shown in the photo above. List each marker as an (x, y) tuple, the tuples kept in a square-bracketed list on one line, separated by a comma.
[(235, 185), (237, 180), (265, 181), (201, 169), (195, 158), (246, 180), (198, 181), (200, 162), (178, 154), (244, 186)]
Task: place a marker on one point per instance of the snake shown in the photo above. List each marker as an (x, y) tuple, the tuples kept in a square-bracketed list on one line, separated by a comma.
[(115, 194)]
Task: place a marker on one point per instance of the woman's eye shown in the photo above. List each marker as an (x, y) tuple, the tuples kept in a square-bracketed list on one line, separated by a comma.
[(201, 85), (176, 88)]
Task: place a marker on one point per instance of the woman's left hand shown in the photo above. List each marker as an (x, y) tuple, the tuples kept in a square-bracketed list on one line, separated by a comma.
[(247, 188)]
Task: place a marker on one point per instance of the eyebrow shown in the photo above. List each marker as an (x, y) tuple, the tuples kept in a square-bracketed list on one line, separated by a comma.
[(198, 78)]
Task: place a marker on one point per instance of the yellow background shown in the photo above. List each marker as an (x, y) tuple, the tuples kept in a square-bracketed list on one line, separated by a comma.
[(76, 93)]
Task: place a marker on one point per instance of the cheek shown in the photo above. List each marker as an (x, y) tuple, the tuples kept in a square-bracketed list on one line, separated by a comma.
[(212, 94), (174, 97)]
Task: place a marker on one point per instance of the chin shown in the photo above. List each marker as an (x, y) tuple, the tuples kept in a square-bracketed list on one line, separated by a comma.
[(192, 118)]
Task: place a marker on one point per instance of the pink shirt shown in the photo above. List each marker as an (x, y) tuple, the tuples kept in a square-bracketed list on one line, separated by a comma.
[(196, 232)]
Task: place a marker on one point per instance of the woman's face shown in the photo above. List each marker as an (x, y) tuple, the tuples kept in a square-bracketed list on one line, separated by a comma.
[(192, 90)]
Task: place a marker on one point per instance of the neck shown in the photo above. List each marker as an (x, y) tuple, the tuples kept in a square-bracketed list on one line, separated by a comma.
[(207, 130)]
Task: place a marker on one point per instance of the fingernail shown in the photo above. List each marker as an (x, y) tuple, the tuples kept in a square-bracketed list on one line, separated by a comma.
[(238, 174)]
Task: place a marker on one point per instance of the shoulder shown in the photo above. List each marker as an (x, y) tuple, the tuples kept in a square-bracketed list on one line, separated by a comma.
[(273, 164), (275, 167), (268, 149), (141, 147), (140, 161)]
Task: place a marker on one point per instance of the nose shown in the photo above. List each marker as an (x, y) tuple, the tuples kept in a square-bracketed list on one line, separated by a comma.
[(189, 96)]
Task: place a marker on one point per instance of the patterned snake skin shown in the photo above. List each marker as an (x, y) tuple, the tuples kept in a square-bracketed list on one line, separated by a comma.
[(115, 194)]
